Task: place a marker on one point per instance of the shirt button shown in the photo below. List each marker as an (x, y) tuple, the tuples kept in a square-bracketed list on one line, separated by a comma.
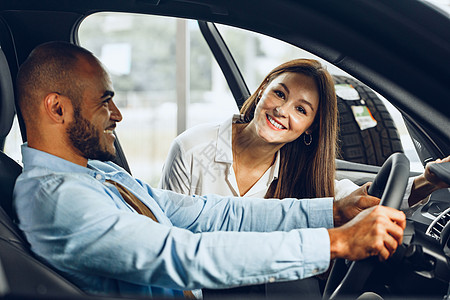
[(98, 176), (272, 279), (315, 271)]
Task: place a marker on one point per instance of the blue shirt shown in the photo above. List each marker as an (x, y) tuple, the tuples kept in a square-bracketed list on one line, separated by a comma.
[(79, 224)]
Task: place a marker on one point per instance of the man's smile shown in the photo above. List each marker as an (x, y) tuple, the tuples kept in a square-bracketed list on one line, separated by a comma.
[(110, 129)]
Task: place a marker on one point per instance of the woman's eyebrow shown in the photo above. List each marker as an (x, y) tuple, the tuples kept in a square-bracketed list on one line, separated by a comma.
[(307, 103), (285, 87)]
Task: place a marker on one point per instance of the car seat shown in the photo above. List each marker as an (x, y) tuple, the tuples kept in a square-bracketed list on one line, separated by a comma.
[(21, 274)]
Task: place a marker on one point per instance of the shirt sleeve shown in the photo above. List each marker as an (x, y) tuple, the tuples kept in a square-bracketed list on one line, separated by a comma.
[(405, 203), (345, 187), (77, 229), (176, 174), (219, 213)]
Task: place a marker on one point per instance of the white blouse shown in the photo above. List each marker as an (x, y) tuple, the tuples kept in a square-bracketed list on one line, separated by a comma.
[(200, 161)]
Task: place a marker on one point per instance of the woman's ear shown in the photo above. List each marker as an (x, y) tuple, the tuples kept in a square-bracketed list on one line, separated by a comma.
[(54, 105), (311, 128)]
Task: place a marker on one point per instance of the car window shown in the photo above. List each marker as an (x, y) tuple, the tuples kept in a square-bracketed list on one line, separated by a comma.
[(159, 93), (144, 55), (257, 54)]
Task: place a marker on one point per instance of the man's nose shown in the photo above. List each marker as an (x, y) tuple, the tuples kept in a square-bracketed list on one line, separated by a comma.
[(115, 112)]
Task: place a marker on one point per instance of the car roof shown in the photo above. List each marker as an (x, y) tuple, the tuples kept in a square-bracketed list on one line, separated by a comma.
[(399, 48)]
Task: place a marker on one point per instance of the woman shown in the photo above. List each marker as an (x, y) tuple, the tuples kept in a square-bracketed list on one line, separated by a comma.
[(253, 153), (282, 145)]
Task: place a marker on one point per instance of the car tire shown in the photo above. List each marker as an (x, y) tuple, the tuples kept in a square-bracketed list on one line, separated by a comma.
[(370, 143)]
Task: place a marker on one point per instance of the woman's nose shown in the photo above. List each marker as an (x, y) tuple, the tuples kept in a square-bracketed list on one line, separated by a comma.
[(280, 111)]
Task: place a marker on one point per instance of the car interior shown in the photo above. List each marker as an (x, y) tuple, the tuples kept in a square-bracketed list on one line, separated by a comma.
[(328, 30)]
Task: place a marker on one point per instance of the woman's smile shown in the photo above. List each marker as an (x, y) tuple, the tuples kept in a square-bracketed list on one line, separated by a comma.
[(274, 123)]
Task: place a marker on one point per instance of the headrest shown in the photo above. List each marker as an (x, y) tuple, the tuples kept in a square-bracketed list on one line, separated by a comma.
[(6, 97)]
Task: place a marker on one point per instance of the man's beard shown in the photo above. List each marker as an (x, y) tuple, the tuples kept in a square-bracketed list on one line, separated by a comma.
[(85, 138)]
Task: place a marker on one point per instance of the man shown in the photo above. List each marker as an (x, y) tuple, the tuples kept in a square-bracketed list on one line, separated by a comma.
[(73, 207)]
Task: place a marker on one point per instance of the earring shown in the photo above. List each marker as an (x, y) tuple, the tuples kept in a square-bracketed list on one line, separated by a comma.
[(307, 143)]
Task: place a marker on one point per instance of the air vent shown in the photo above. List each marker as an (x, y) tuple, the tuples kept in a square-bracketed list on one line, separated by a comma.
[(436, 227)]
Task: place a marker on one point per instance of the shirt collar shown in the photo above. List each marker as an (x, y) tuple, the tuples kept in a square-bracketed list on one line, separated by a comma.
[(224, 151), (36, 158)]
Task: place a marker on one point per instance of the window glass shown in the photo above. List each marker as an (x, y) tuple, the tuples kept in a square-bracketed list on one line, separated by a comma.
[(140, 52), (13, 142), (256, 55), (444, 5)]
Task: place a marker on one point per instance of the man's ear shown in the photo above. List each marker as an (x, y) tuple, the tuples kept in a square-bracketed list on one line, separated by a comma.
[(55, 107)]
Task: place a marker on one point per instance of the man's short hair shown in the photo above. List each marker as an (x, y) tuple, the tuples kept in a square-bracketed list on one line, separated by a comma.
[(51, 67)]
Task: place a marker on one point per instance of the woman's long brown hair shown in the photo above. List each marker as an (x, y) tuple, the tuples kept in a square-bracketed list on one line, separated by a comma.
[(305, 171)]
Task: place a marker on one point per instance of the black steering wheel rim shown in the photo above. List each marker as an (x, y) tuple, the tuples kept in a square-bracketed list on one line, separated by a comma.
[(389, 185)]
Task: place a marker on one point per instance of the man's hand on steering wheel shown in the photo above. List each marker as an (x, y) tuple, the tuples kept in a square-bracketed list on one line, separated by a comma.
[(383, 230), (375, 231)]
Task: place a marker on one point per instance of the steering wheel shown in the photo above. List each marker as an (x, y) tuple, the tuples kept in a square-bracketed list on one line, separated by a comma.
[(389, 185)]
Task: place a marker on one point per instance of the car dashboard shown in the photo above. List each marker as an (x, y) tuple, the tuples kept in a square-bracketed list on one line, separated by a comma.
[(432, 234)]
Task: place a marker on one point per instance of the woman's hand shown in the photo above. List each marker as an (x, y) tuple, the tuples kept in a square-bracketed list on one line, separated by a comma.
[(433, 179), (426, 183), (348, 207)]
